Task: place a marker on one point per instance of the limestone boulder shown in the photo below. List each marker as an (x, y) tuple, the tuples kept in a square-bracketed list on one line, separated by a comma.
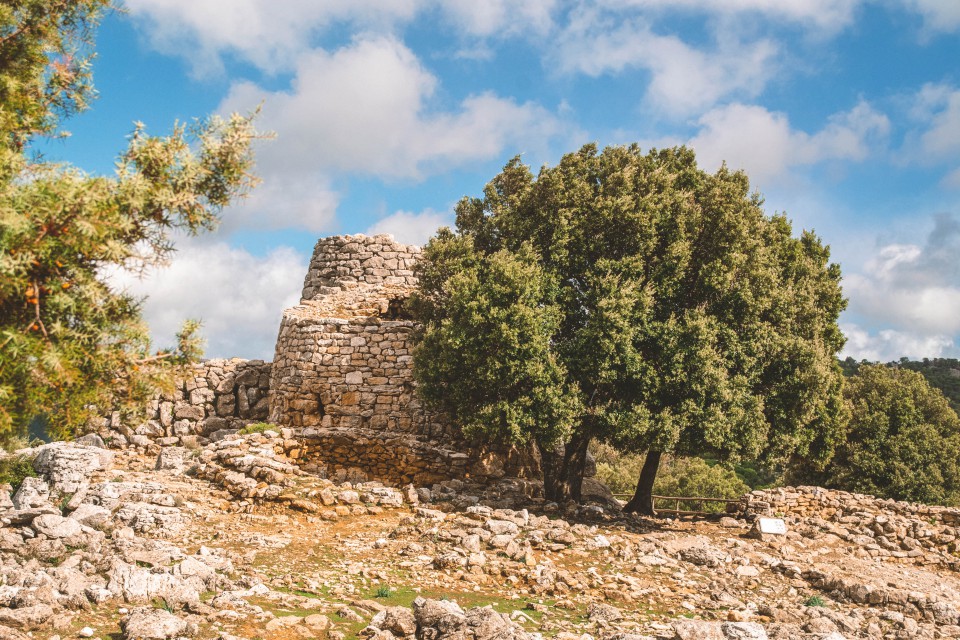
[(155, 624), (33, 493), (68, 466), (172, 459), (56, 527), (91, 515)]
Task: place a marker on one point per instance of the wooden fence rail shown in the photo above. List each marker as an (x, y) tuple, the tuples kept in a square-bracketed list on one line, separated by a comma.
[(677, 500)]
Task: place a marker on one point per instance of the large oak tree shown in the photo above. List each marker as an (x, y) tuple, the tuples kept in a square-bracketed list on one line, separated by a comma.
[(634, 298)]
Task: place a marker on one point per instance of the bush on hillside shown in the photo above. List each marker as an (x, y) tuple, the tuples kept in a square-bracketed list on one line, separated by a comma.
[(680, 477)]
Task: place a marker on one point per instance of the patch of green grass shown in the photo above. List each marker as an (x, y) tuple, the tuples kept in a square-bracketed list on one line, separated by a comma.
[(13, 469), (161, 603), (383, 592), (814, 601), (258, 427)]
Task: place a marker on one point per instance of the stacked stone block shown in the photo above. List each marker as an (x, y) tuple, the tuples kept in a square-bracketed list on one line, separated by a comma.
[(342, 375), (346, 262), (210, 400)]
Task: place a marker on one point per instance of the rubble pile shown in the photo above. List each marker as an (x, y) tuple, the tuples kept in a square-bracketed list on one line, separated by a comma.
[(234, 540)]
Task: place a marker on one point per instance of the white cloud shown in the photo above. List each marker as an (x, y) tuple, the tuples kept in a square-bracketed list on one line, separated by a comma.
[(912, 292), (269, 35), (826, 15), (411, 228), (238, 296), (764, 144), (936, 109), (500, 17), (888, 345), (938, 15), (952, 179), (272, 36), (684, 79), (365, 109), (301, 200)]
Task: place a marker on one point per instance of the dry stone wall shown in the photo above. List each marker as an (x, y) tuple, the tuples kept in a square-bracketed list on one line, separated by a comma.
[(211, 399)]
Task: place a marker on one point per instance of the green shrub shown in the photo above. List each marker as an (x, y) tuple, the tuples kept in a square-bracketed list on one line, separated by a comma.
[(383, 592), (681, 477), (258, 427), (696, 478), (903, 440), (617, 470), (814, 601), (13, 469)]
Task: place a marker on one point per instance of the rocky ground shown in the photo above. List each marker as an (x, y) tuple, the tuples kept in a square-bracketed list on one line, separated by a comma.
[(233, 541)]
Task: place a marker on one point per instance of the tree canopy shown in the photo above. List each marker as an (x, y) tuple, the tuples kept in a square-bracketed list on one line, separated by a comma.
[(69, 341), (903, 440), (633, 298)]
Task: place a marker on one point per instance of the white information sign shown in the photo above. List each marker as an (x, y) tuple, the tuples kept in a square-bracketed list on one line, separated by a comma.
[(772, 525)]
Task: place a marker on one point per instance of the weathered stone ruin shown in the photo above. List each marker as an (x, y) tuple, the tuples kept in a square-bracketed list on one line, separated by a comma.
[(341, 383)]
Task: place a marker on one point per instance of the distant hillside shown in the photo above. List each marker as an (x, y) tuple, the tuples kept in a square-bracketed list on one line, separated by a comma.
[(942, 373)]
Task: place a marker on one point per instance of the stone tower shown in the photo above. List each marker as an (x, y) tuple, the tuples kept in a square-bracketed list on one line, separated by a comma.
[(342, 373)]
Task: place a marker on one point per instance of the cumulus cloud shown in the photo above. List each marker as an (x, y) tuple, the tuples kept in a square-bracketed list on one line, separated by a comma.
[(412, 228), (238, 296), (365, 109), (272, 36), (684, 79), (263, 33), (952, 179), (764, 143), (500, 17), (887, 345), (303, 200), (827, 15), (935, 138), (912, 291), (938, 15)]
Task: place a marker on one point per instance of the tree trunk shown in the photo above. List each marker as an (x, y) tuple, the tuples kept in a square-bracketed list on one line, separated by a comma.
[(563, 469), (551, 460), (642, 501)]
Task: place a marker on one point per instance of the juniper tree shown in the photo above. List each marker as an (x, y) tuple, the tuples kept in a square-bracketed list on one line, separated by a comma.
[(674, 316), (69, 340)]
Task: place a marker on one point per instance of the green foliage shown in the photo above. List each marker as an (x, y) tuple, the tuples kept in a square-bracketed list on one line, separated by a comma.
[(494, 343), (619, 471), (755, 474), (45, 53), (69, 341), (258, 427), (814, 601), (636, 299), (682, 477), (941, 373), (14, 468), (696, 478), (903, 440), (383, 591)]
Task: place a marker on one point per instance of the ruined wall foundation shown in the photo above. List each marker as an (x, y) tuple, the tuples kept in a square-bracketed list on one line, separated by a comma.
[(211, 399), (341, 382)]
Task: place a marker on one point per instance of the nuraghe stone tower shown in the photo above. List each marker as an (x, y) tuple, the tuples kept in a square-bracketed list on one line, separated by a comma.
[(342, 373)]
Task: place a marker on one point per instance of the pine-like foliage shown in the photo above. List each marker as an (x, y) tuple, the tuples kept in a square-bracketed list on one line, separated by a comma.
[(70, 344)]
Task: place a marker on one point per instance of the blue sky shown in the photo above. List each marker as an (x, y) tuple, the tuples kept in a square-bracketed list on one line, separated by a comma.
[(845, 114)]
